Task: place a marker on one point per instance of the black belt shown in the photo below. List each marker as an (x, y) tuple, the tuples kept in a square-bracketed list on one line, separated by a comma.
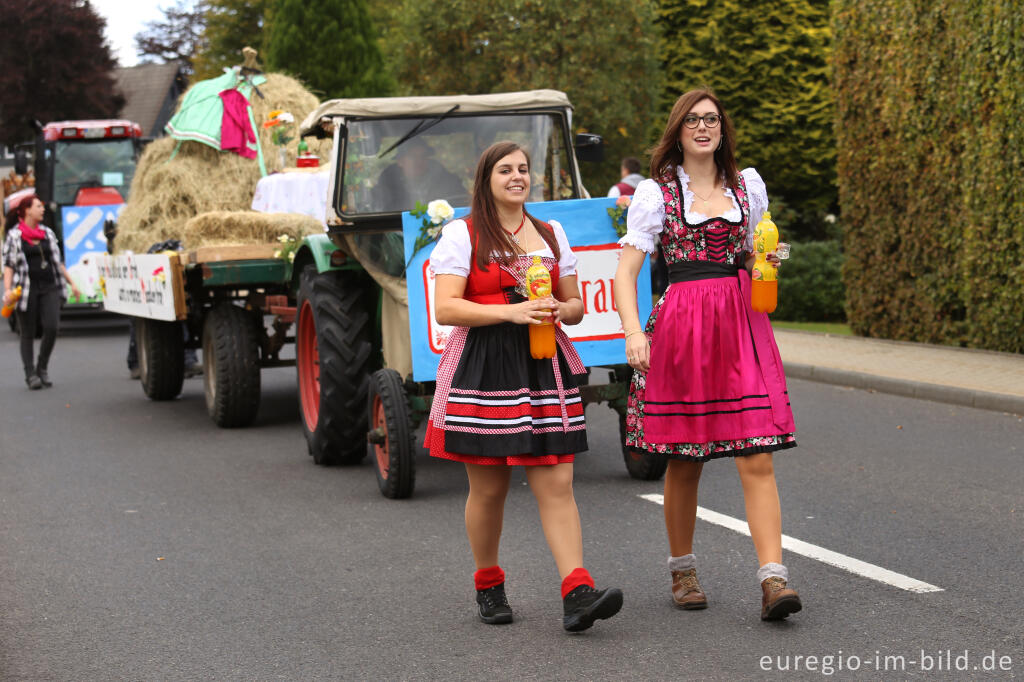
[(689, 271)]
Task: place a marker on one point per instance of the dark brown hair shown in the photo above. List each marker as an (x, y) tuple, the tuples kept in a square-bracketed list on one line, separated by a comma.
[(632, 164), (488, 235), (665, 155)]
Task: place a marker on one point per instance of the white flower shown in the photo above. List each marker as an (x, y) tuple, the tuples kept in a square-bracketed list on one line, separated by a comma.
[(284, 239), (291, 257), (277, 254), (432, 232), (285, 117), (830, 218), (439, 211)]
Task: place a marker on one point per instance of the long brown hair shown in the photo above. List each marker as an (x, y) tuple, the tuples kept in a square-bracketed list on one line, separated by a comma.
[(489, 236), (665, 155)]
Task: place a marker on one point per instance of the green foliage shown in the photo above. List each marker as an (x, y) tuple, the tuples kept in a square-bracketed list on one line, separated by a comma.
[(54, 65), (601, 53), (175, 38), (230, 26), (330, 45), (929, 158), (810, 284), (769, 64)]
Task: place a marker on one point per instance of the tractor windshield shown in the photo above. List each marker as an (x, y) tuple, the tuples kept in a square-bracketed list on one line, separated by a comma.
[(92, 163), (439, 160)]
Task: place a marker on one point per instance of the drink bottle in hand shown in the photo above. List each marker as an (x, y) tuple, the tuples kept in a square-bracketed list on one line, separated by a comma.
[(764, 287), (542, 336), (8, 309)]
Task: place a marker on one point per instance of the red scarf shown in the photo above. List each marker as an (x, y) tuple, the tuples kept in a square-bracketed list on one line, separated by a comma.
[(32, 235)]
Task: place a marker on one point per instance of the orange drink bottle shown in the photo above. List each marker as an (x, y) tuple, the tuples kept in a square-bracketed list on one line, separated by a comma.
[(764, 285), (8, 309), (542, 336)]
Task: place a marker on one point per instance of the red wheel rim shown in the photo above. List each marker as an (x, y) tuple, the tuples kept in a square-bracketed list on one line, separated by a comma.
[(307, 357), (381, 449)]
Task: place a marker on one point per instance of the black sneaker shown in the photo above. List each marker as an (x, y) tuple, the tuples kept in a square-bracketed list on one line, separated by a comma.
[(33, 382), (494, 608), (44, 378), (584, 605)]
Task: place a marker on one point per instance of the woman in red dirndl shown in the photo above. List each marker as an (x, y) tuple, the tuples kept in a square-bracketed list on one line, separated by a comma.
[(494, 405), (708, 380)]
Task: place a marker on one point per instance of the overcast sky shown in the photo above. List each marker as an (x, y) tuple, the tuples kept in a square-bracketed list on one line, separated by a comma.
[(124, 20)]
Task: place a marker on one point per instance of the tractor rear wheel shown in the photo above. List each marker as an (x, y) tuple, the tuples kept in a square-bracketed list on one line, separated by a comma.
[(333, 357)]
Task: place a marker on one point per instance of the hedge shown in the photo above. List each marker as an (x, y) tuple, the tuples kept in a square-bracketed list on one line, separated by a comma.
[(929, 132), (810, 284), (769, 64)]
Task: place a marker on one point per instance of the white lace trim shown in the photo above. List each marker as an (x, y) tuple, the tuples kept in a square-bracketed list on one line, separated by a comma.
[(641, 241)]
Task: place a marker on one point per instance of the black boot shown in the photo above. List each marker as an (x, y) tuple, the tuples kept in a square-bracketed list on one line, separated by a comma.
[(494, 608), (584, 605), (44, 378), (33, 381)]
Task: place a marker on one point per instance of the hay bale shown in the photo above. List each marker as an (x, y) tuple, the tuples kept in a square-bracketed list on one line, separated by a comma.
[(231, 228), (166, 193)]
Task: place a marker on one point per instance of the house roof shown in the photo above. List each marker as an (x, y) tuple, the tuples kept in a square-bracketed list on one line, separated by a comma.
[(145, 88)]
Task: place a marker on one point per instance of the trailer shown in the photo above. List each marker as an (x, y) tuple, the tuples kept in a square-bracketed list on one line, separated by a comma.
[(358, 297)]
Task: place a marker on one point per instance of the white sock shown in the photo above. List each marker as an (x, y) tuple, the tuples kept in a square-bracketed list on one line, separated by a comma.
[(682, 563), (772, 570)]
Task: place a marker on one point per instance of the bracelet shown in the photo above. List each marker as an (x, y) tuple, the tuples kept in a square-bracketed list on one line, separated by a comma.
[(635, 331)]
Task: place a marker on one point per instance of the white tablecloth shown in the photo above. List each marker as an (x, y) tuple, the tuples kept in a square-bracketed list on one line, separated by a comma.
[(294, 192)]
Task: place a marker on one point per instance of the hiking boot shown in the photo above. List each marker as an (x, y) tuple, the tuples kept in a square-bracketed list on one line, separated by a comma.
[(584, 605), (33, 382), (494, 608), (778, 600), (686, 590), (44, 378)]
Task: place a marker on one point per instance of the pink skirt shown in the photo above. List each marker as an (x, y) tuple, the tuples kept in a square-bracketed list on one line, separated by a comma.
[(716, 373)]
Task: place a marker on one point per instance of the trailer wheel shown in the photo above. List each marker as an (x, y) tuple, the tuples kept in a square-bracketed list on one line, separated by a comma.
[(332, 351), (231, 377), (640, 465), (161, 357), (390, 441)]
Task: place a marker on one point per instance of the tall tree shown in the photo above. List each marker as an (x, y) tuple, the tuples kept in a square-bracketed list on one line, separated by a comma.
[(601, 53), (769, 63), (331, 45), (175, 38), (56, 65), (230, 26)]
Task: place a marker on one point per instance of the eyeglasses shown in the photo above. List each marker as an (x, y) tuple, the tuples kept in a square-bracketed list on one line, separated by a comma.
[(710, 120)]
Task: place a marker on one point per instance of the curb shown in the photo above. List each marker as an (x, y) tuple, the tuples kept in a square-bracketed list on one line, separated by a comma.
[(983, 400)]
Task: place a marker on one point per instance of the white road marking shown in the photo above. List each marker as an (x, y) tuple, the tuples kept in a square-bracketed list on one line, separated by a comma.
[(827, 556)]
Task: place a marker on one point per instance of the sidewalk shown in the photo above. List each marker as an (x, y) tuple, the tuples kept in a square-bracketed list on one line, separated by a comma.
[(984, 379)]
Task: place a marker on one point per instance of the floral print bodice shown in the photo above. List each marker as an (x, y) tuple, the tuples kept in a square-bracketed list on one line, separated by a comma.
[(715, 239)]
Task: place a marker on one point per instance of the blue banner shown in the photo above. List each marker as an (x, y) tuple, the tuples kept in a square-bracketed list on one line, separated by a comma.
[(598, 338), (83, 241)]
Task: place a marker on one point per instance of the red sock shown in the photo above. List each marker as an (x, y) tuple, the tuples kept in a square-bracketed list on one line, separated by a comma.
[(579, 576), (488, 577)]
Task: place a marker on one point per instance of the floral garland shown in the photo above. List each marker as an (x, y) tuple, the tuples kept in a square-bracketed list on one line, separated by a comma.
[(433, 217)]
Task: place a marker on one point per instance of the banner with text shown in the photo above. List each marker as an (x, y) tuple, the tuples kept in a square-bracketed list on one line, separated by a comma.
[(141, 285), (598, 338)]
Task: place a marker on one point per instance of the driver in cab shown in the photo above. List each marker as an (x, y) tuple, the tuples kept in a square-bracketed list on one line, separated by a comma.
[(415, 176)]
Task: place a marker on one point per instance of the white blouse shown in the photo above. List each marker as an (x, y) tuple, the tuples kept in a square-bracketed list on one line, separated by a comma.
[(453, 254), (646, 217)]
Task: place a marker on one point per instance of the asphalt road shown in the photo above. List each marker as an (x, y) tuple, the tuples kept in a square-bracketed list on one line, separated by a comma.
[(139, 541)]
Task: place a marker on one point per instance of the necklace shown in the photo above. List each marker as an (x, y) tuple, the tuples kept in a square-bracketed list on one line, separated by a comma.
[(514, 236), (706, 199)]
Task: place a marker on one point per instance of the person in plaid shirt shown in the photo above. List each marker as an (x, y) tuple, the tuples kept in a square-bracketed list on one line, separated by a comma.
[(31, 258)]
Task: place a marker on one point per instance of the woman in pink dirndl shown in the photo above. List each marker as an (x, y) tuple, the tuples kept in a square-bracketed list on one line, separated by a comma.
[(495, 406), (708, 380)]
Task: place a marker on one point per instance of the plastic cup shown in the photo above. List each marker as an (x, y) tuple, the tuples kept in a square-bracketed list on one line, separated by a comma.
[(782, 250)]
